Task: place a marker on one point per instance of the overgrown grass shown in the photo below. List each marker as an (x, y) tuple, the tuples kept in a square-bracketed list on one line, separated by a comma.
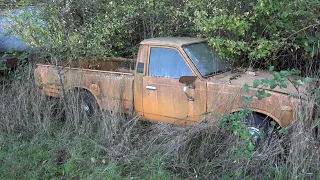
[(62, 156), (39, 142)]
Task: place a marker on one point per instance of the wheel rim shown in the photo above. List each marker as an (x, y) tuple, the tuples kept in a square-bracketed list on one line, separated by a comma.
[(86, 109), (254, 132)]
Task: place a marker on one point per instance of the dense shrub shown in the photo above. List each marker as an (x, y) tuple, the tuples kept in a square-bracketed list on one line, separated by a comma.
[(256, 32), (262, 32)]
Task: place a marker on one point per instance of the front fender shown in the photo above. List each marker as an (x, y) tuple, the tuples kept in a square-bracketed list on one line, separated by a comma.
[(226, 99)]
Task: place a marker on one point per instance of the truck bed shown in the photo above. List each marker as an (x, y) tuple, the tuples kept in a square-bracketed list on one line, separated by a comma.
[(110, 81), (103, 64)]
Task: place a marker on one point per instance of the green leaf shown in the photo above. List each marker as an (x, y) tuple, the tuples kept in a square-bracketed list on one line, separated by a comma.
[(234, 149), (246, 87), (309, 89), (238, 174), (308, 79), (271, 68), (260, 94), (283, 85), (244, 135), (250, 147), (308, 48), (265, 82), (256, 83), (284, 131), (295, 72), (298, 82), (284, 73), (247, 99), (284, 80), (272, 123), (273, 84), (277, 76)]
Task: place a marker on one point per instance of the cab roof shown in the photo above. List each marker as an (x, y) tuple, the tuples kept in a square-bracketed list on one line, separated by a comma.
[(172, 41)]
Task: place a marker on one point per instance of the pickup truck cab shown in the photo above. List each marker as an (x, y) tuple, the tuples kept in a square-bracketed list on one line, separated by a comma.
[(178, 80)]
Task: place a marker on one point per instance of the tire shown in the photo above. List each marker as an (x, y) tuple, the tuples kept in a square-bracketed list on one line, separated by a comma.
[(257, 126), (87, 104)]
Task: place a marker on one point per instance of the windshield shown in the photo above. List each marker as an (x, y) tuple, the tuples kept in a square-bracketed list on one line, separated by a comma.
[(206, 59)]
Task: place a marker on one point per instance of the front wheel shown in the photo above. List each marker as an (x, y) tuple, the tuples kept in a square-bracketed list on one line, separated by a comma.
[(257, 126)]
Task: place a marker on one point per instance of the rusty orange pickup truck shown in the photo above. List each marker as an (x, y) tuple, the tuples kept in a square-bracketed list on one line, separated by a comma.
[(178, 80)]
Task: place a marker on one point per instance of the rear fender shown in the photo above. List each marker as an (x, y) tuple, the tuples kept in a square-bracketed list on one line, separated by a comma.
[(86, 90)]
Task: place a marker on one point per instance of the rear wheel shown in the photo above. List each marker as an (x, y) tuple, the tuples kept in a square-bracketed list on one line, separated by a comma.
[(88, 105)]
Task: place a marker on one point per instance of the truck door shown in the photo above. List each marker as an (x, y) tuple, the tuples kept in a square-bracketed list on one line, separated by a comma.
[(163, 97)]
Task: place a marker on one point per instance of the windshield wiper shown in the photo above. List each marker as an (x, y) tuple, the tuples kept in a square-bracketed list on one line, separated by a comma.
[(213, 73), (209, 74)]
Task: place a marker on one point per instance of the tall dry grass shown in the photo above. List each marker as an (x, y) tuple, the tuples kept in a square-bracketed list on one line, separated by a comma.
[(192, 152)]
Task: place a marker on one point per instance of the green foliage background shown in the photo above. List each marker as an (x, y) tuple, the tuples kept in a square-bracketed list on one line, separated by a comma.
[(283, 34), (258, 33)]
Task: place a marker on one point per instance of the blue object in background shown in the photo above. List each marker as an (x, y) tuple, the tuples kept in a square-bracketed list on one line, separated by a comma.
[(9, 41)]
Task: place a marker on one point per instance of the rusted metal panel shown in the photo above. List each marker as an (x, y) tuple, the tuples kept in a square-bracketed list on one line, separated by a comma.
[(240, 78), (225, 99), (138, 80), (113, 91), (165, 99)]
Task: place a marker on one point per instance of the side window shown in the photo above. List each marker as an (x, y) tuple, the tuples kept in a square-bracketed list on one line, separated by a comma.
[(166, 62)]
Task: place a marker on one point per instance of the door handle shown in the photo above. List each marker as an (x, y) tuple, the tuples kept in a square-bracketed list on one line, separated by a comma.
[(151, 87)]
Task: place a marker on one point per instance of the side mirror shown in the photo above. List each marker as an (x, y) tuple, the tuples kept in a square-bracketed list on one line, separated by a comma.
[(188, 80)]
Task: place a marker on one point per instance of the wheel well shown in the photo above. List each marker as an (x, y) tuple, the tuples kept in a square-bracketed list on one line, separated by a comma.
[(268, 116), (265, 116), (79, 89)]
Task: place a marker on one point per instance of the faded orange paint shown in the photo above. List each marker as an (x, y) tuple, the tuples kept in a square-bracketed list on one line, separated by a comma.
[(225, 99), (109, 88), (118, 87)]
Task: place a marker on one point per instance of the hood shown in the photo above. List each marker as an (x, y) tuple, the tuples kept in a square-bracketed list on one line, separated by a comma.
[(240, 78)]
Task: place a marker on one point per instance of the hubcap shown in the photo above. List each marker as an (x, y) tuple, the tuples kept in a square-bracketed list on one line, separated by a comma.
[(254, 132), (85, 108)]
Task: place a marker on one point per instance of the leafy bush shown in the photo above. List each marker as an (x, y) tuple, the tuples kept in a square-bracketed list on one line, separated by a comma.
[(76, 29), (256, 32), (261, 32)]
